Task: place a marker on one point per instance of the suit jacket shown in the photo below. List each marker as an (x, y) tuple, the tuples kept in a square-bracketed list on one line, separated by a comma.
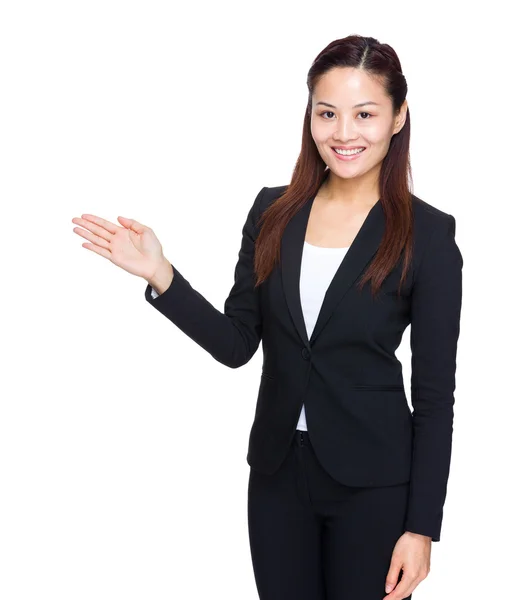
[(358, 417)]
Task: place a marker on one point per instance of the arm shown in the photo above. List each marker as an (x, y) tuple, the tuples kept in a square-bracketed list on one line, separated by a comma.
[(231, 337), (435, 321)]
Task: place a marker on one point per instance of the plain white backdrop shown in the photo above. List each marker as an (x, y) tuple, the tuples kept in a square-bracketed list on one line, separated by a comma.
[(123, 470)]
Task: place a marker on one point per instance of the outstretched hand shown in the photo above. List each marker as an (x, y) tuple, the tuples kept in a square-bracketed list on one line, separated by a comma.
[(134, 247)]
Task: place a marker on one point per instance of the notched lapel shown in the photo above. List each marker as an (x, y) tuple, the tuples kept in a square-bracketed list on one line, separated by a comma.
[(359, 254)]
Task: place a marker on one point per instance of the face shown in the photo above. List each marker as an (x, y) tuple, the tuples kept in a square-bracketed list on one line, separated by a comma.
[(340, 117)]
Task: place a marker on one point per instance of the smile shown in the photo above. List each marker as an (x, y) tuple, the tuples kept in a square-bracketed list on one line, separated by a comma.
[(348, 154)]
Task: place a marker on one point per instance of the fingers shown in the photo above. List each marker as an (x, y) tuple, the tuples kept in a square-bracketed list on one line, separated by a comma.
[(110, 227), (404, 588), (98, 250), (99, 229), (393, 575), (93, 238), (132, 224)]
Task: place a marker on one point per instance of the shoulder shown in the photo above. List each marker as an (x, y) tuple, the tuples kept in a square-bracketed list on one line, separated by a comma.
[(428, 218), (264, 198), (433, 234), (269, 195)]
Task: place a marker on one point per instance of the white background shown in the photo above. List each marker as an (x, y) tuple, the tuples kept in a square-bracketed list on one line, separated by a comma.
[(123, 444)]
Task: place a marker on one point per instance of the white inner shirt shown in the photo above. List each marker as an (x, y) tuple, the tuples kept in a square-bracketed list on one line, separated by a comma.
[(319, 265)]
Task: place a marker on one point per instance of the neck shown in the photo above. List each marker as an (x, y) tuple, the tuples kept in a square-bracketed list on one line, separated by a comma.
[(356, 192)]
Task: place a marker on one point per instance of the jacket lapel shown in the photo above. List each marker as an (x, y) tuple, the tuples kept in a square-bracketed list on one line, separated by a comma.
[(362, 249)]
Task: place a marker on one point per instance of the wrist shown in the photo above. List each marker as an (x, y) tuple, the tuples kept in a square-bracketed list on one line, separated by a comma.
[(162, 278), (419, 535)]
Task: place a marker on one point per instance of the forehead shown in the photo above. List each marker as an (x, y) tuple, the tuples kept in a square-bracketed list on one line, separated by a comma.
[(347, 86)]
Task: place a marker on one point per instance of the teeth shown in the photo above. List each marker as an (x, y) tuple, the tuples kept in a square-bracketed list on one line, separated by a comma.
[(348, 152)]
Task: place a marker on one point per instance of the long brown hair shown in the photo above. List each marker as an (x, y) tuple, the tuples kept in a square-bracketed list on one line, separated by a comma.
[(381, 61)]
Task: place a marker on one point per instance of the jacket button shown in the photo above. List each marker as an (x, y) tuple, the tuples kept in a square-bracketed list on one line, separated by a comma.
[(306, 354)]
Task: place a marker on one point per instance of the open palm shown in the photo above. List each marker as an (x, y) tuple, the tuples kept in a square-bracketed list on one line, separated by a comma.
[(133, 247)]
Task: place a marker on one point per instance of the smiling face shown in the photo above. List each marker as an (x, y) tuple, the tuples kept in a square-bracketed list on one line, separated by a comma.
[(351, 109)]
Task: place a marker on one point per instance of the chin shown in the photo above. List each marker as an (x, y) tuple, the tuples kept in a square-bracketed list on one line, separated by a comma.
[(342, 176)]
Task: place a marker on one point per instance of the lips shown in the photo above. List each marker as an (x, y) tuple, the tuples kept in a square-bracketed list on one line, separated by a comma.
[(360, 148), (348, 157), (348, 147)]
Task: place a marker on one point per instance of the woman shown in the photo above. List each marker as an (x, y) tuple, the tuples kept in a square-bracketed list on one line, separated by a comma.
[(347, 486)]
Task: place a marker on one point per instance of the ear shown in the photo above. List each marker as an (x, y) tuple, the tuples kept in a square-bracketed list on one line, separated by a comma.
[(400, 119)]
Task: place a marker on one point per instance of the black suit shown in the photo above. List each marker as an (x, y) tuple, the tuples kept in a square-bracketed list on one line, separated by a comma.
[(347, 374)]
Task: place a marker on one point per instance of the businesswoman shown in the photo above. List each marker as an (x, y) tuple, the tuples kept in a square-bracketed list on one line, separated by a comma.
[(347, 484)]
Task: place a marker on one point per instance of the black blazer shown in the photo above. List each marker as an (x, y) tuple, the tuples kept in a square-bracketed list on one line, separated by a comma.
[(358, 418)]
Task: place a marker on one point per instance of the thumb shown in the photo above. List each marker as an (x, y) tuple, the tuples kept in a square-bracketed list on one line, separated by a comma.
[(132, 224), (392, 576)]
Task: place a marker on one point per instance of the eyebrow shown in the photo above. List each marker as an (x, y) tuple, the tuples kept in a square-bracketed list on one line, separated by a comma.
[(355, 105)]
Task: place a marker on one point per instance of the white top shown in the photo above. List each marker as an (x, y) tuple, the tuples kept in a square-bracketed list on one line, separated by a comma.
[(319, 265)]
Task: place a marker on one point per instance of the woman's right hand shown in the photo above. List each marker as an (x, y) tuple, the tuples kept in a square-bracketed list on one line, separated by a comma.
[(133, 247)]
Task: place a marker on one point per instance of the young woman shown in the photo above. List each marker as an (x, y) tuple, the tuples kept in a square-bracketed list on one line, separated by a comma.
[(347, 485)]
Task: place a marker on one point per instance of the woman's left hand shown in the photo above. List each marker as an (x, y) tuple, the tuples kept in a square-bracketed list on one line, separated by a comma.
[(411, 554)]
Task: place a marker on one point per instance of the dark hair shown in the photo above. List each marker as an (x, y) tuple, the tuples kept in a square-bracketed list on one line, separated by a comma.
[(380, 61)]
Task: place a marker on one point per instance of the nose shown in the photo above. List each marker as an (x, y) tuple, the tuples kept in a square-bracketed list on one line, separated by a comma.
[(346, 130)]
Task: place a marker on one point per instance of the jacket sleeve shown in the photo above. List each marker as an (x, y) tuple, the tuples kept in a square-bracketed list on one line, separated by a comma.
[(231, 337), (435, 321)]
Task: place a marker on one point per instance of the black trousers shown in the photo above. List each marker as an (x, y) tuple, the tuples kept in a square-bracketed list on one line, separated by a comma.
[(313, 538)]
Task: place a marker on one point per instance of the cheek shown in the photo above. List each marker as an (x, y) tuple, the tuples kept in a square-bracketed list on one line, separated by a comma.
[(374, 136), (377, 136), (319, 134)]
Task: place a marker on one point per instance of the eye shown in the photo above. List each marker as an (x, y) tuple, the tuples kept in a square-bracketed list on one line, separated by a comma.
[(325, 112), (330, 112)]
